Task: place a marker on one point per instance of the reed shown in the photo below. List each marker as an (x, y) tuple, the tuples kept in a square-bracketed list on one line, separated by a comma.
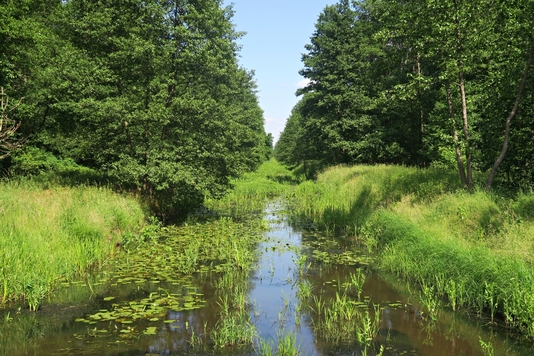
[(356, 281), (487, 347), (343, 320), (234, 327), (285, 345)]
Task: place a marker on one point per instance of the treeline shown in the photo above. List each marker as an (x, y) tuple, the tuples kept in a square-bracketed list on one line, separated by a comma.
[(421, 83), (148, 94)]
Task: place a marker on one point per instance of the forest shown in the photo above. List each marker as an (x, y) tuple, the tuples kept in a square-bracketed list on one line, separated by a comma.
[(141, 211), (147, 96), (419, 83)]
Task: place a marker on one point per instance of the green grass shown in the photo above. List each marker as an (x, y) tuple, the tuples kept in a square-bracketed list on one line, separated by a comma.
[(284, 345), (345, 197), (469, 250), (251, 190), (234, 327), (53, 233)]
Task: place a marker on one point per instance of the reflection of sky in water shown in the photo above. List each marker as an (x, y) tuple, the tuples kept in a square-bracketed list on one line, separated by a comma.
[(273, 285), (274, 293)]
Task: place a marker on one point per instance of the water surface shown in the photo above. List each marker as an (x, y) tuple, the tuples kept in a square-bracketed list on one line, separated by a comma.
[(180, 311)]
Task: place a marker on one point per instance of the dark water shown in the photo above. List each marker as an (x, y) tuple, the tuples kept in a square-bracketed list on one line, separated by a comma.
[(273, 304)]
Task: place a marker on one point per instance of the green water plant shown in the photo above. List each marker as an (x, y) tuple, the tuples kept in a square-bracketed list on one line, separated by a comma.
[(357, 280), (287, 344), (299, 259), (233, 330), (342, 319), (305, 289), (430, 300), (284, 344), (490, 298), (487, 347), (470, 248)]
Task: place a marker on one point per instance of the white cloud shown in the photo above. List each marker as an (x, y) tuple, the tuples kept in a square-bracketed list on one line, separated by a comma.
[(303, 83)]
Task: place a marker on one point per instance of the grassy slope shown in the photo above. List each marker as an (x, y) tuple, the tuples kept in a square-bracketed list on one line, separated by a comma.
[(251, 190), (474, 250), (49, 232), (46, 234)]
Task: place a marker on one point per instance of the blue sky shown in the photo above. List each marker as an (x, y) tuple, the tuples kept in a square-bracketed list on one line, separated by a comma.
[(277, 31)]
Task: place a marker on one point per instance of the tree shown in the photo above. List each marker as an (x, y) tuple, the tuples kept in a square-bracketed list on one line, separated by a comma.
[(420, 82), (149, 93), (338, 108), (8, 126), (512, 114), (471, 51), (348, 107)]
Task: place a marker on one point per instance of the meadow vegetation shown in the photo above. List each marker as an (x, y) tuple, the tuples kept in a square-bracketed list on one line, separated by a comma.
[(55, 232), (466, 250), (250, 191)]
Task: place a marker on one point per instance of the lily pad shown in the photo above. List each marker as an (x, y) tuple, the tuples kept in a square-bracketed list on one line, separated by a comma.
[(150, 330)]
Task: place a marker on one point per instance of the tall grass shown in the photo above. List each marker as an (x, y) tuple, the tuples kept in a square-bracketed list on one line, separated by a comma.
[(251, 190), (345, 197), (47, 234), (474, 250)]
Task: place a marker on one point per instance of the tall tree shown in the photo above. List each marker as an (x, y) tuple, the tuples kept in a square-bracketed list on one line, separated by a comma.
[(338, 106), (151, 93)]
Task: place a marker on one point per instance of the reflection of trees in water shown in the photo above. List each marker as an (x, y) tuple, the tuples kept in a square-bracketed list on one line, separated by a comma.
[(20, 334)]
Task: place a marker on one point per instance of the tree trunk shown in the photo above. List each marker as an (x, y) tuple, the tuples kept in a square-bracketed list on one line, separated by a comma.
[(421, 116), (518, 98), (459, 63), (459, 159)]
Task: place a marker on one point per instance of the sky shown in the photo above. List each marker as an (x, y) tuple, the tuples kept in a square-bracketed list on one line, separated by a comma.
[(277, 31)]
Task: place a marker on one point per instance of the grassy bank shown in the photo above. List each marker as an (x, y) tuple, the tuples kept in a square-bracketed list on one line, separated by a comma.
[(47, 234), (251, 190), (467, 250)]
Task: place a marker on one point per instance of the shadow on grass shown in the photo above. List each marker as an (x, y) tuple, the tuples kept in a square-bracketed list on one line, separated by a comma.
[(377, 187)]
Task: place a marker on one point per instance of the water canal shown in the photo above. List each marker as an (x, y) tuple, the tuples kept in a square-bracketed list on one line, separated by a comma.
[(306, 294)]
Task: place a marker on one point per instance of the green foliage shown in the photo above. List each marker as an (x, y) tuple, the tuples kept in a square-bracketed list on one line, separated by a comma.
[(418, 83), (524, 206), (345, 197), (251, 190), (149, 94), (284, 345)]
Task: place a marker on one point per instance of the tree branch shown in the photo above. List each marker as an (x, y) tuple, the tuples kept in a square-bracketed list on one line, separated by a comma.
[(510, 117)]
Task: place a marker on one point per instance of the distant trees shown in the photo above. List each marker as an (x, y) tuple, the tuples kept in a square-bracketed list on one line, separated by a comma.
[(420, 83), (148, 92)]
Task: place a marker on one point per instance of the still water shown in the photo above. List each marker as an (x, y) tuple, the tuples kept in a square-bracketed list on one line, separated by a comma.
[(299, 270)]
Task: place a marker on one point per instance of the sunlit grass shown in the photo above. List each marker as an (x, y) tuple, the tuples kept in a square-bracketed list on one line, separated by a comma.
[(46, 234), (471, 250), (252, 190)]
